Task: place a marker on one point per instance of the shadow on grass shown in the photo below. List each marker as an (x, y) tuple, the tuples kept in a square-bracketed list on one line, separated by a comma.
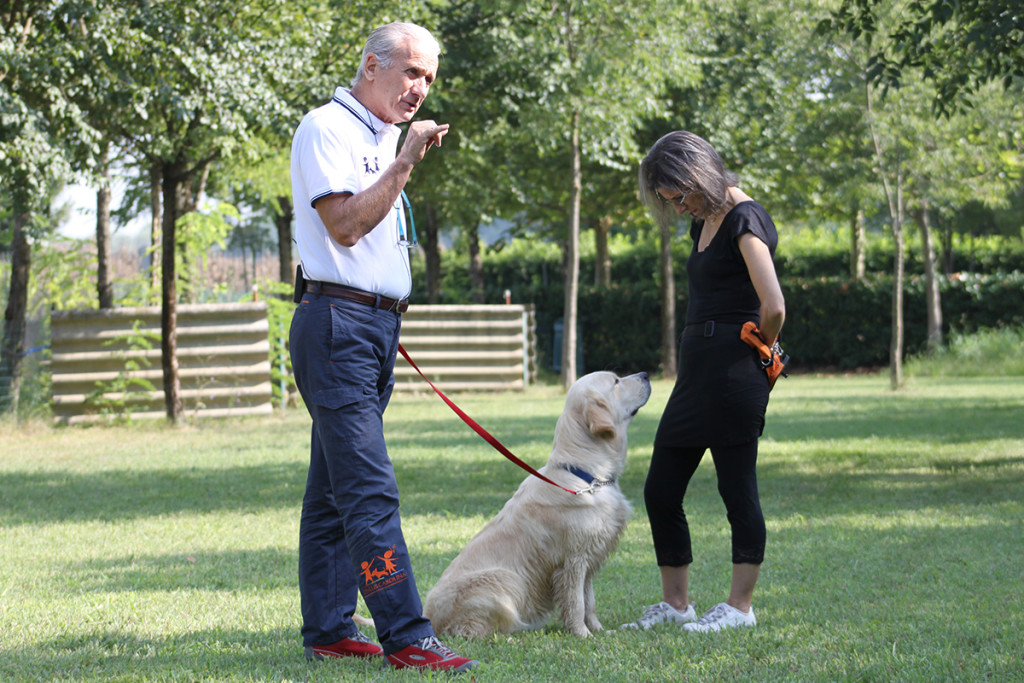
[(478, 480), (889, 492), (951, 420), (54, 496), (264, 569), (35, 497)]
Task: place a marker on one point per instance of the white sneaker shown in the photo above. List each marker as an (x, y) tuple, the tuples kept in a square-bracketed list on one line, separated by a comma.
[(722, 615), (662, 613)]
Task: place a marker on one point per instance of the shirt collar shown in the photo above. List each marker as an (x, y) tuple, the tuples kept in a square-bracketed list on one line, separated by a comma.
[(358, 110)]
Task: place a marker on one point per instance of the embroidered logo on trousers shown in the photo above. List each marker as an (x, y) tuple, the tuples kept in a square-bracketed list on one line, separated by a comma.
[(381, 572)]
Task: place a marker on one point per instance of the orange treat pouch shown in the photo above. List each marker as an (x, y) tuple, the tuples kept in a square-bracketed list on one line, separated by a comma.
[(773, 358)]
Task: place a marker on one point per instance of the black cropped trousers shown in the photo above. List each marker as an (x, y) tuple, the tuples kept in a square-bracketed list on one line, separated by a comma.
[(670, 472)]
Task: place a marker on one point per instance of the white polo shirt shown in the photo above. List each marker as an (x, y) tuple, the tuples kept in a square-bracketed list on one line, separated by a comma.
[(342, 147)]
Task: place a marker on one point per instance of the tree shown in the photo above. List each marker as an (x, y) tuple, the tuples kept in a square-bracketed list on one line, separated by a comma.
[(891, 153), (771, 100), (319, 43), (186, 84), (567, 101), (959, 45), (263, 188), (34, 116), (104, 285)]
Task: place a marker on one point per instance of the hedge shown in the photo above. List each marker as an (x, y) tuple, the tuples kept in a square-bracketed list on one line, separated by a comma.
[(832, 321)]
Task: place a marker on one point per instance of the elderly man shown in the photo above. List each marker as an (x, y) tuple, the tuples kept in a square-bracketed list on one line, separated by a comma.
[(353, 288)]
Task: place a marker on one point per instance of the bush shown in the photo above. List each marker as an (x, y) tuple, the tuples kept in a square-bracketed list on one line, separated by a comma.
[(841, 323), (986, 352), (832, 321)]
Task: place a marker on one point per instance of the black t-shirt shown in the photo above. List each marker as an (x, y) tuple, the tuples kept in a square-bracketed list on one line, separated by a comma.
[(719, 283)]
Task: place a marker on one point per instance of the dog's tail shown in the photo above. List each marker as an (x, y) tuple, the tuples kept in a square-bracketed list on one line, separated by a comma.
[(477, 604)]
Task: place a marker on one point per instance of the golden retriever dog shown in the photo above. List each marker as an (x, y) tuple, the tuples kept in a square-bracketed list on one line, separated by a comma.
[(544, 548)]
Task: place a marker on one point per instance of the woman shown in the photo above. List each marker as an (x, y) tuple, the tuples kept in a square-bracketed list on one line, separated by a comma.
[(721, 391)]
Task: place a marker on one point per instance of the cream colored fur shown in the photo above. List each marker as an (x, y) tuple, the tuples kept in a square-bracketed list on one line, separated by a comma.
[(543, 549)]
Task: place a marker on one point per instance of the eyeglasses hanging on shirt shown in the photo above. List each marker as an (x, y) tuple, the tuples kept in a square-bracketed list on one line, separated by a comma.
[(406, 230)]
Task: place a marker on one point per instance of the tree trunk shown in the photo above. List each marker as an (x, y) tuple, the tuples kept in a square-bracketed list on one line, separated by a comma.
[(476, 266), (432, 252), (896, 341), (157, 212), (668, 305), (173, 203), (190, 195), (858, 247), (13, 347), (245, 266), (572, 262), (254, 252), (946, 242), (933, 297), (283, 221), (895, 201), (104, 286), (602, 260)]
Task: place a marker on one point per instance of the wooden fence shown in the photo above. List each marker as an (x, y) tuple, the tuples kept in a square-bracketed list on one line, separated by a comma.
[(107, 362), (469, 348)]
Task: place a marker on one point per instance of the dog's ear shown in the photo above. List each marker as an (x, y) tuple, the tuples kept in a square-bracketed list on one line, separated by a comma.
[(599, 420)]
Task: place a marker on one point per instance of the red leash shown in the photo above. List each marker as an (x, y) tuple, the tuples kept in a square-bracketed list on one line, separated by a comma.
[(477, 428)]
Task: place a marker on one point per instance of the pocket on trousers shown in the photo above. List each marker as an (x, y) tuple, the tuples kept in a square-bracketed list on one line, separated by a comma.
[(337, 397)]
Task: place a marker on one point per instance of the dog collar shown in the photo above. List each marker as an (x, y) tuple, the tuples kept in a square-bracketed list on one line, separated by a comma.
[(593, 483)]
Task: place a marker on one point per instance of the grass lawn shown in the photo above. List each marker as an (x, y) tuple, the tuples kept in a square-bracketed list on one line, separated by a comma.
[(895, 542)]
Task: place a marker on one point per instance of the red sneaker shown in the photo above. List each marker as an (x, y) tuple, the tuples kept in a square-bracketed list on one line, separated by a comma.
[(429, 653), (356, 645)]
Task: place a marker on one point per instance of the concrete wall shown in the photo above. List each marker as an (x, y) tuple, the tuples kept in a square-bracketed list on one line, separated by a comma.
[(108, 362), (468, 348)]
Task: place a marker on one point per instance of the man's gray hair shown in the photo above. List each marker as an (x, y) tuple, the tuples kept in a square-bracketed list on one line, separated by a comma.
[(384, 40), (686, 162)]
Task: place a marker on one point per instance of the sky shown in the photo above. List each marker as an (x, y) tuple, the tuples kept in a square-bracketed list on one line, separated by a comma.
[(81, 221)]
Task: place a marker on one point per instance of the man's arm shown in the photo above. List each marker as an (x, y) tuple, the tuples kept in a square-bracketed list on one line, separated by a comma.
[(348, 217)]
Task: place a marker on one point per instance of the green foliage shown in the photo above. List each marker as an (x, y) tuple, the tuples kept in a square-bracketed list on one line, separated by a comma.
[(836, 322), (36, 386), (983, 353), (64, 275), (957, 45), (832, 321), (825, 251), (198, 232), (36, 116), (280, 308), (621, 330), (116, 398)]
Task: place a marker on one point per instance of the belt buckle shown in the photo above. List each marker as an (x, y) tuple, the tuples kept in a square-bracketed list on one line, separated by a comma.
[(709, 328)]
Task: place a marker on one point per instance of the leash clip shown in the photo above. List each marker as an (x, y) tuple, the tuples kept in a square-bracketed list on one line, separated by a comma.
[(594, 486)]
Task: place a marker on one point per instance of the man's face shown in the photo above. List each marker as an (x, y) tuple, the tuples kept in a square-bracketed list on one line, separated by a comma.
[(400, 89)]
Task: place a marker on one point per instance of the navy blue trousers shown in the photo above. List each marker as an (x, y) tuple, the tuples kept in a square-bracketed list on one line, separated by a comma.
[(350, 534)]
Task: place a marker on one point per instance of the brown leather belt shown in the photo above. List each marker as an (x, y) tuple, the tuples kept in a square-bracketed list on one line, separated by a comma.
[(357, 295)]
